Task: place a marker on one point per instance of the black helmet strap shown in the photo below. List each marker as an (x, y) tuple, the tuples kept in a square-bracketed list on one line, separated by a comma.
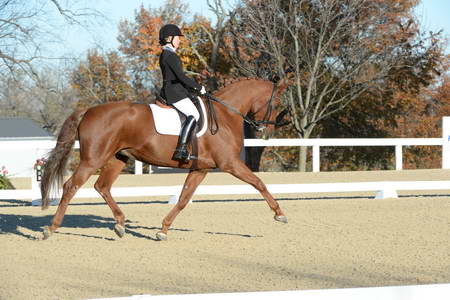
[(171, 41)]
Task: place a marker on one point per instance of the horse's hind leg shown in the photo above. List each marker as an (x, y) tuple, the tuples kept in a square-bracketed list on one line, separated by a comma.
[(103, 185), (238, 169), (71, 186), (191, 183)]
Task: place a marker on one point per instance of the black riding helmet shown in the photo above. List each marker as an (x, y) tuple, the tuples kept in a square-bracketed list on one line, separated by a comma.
[(168, 30)]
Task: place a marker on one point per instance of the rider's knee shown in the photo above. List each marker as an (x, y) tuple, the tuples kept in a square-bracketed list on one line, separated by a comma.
[(196, 115)]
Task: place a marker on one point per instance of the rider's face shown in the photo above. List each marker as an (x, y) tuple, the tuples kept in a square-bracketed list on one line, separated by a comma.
[(176, 41)]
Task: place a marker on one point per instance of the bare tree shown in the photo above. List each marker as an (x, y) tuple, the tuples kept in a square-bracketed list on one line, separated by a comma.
[(27, 26), (213, 36), (33, 81), (52, 97), (46, 101), (336, 50), (13, 99)]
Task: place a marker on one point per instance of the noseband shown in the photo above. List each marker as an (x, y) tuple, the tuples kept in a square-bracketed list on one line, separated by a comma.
[(261, 125)]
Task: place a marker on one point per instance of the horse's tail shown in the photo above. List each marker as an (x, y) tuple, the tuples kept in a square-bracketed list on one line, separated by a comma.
[(55, 166)]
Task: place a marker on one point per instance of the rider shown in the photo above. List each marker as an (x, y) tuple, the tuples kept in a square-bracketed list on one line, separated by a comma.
[(175, 84)]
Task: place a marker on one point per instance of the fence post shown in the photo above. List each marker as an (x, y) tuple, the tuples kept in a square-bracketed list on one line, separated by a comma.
[(137, 167), (316, 158), (398, 157), (446, 143)]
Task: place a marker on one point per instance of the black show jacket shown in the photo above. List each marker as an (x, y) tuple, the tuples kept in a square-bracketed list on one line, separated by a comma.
[(175, 81)]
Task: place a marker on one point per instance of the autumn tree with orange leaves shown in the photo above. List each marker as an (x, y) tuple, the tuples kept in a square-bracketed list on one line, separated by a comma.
[(201, 49), (139, 42), (101, 78)]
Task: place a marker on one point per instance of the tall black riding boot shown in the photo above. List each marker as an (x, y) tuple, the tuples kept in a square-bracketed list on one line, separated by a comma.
[(181, 153)]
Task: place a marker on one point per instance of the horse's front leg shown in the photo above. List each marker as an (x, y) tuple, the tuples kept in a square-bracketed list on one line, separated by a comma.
[(238, 169), (194, 178)]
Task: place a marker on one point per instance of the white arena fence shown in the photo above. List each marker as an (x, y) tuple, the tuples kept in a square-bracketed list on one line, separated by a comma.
[(410, 292), (383, 189)]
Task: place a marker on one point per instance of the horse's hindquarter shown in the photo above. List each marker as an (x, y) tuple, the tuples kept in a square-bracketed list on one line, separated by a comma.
[(138, 126), (114, 126)]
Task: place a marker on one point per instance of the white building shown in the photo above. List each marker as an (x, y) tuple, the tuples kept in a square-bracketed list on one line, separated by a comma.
[(20, 162)]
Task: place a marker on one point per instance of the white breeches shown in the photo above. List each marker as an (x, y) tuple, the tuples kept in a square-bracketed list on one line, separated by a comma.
[(187, 108)]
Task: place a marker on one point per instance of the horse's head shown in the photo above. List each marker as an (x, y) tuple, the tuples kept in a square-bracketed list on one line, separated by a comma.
[(265, 108)]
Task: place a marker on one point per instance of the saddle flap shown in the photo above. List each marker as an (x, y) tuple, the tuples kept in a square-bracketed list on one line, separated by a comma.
[(168, 120)]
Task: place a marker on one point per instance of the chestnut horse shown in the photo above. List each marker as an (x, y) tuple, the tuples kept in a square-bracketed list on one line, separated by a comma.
[(110, 134)]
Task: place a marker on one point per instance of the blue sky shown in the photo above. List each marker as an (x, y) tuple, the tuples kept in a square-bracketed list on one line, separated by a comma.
[(433, 15), (78, 40)]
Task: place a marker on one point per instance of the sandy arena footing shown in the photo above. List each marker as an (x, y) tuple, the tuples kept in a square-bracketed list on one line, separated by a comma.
[(331, 241)]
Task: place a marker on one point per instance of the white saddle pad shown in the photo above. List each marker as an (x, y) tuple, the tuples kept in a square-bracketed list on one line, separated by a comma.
[(167, 120)]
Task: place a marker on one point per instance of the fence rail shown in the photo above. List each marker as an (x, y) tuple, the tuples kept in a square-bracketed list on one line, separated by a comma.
[(317, 143), (41, 147), (44, 146), (382, 190)]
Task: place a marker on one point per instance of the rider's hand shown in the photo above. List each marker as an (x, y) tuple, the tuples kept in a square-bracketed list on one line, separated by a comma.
[(203, 90)]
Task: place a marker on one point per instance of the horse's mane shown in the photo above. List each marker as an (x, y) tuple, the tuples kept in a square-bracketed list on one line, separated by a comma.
[(238, 79), (232, 81)]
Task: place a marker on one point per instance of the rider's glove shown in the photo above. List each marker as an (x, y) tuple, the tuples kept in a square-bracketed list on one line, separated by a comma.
[(203, 90)]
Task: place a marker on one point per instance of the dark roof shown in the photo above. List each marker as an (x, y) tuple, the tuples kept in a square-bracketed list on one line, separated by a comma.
[(21, 128)]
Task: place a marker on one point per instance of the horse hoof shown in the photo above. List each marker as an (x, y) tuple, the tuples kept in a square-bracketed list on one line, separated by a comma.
[(46, 232), (161, 236), (119, 230), (281, 219)]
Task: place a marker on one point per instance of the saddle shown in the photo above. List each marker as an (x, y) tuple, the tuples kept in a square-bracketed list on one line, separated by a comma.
[(168, 119)]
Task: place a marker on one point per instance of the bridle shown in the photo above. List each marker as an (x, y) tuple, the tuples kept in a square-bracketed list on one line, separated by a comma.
[(258, 125)]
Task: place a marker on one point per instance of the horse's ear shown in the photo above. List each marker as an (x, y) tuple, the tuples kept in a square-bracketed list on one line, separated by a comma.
[(286, 80), (283, 83)]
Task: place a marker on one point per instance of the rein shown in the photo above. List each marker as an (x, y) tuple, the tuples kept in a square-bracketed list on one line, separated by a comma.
[(232, 108), (258, 125)]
